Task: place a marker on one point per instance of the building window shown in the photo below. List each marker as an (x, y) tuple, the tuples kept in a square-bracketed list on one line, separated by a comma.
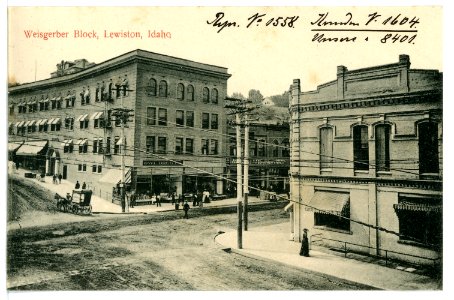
[(275, 148), (252, 145), (178, 145), (360, 148), (163, 88), (232, 147), (95, 146), (428, 147), (93, 168), (214, 96), (83, 146), (180, 91), (162, 145), (151, 87), (151, 115), (285, 148), (99, 169), (82, 167), (189, 119), (382, 135), (162, 117), (150, 144), (108, 142), (189, 146), (179, 119), (214, 121), (331, 221), (214, 147), (205, 120), (117, 145), (206, 95), (261, 148), (420, 220), (326, 148), (70, 99), (205, 145), (190, 92)]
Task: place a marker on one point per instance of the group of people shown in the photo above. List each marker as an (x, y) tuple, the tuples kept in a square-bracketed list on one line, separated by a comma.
[(77, 186), (56, 179)]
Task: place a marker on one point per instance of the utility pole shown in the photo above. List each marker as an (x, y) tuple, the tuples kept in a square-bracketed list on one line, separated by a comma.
[(240, 107), (123, 115)]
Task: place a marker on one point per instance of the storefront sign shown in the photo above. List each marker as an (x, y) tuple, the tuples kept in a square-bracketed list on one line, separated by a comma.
[(162, 163)]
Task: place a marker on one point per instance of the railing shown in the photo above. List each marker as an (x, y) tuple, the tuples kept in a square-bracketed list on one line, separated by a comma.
[(320, 238)]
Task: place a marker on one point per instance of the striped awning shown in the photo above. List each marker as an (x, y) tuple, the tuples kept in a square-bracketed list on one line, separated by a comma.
[(96, 115), (81, 118), (32, 122), (31, 148), (55, 121), (81, 142), (66, 143), (327, 202), (422, 207)]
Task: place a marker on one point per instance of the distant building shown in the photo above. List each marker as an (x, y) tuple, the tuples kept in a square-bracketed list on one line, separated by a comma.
[(269, 156), (174, 139), (366, 161), (267, 102)]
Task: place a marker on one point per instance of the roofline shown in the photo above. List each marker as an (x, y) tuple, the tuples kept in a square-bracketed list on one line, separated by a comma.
[(124, 59)]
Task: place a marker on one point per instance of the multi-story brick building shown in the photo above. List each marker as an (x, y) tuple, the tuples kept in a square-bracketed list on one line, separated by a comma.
[(269, 156), (173, 139), (366, 161)]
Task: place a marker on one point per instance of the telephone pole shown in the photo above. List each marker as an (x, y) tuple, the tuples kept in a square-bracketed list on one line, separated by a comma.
[(240, 107), (123, 115)]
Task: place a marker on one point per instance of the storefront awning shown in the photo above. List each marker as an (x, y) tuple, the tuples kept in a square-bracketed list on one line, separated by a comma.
[(42, 122), (81, 142), (31, 148), (20, 124), (14, 146), (114, 176), (66, 143), (422, 207), (32, 122), (329, 202), (27, 123)]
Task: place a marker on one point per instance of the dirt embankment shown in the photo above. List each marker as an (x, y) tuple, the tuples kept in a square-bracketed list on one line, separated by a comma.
[(25, 197)]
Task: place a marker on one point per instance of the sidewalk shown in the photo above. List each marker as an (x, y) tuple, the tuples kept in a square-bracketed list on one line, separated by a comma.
[(101, 205), (272, 243)]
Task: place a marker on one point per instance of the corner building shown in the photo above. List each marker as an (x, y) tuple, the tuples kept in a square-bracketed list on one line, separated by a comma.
[(174, 135), (366, 162)]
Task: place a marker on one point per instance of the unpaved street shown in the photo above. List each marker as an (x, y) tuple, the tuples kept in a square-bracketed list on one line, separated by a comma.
[(159, 251)]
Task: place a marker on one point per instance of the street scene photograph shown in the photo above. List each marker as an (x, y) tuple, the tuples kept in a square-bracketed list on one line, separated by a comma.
[(224, 149)]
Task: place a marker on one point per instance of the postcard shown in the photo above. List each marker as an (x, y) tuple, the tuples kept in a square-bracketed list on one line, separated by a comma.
[(225, 148)]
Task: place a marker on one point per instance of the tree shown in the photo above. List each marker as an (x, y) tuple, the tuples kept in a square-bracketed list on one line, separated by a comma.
[(281, 100), (255, 96)]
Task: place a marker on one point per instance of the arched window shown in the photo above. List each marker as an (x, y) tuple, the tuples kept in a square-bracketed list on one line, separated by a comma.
[(180, 91), (163, 88), (275, 148), (285, 148), (214, 96), (360, 148), (326, 148), (151, 87), (190, 92), (382, 137), (206, 95), (428, 147)]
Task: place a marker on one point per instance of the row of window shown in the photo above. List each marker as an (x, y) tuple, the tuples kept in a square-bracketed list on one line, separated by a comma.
[(182, 92), (427, 142), (103, 92), (158, 116), (259, 148), (94, 168), (153, 144)]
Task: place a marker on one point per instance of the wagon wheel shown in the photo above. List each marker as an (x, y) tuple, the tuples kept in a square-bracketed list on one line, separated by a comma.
[(74, 209)]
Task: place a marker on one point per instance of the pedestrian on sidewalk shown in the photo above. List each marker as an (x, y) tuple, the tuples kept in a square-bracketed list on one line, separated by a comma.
[(186, 209), (304, 251), (54, 179), (158, 200), (84, 185), (59, 178), (77, 186)]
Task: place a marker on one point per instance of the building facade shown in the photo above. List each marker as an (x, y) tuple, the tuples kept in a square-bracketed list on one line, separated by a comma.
[(366, 161), (269, 157), (173, 136)]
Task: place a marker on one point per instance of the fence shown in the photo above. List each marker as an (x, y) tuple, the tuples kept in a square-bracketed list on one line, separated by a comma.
[(319, 238)]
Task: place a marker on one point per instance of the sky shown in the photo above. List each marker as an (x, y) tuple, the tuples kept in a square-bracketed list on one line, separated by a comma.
[(261, 57)]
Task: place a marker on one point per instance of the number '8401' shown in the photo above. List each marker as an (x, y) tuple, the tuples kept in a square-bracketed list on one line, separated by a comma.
[(398, 38)]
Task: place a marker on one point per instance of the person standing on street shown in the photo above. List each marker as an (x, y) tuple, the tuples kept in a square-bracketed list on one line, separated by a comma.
[(186, 209), (84, 185), (304, 251), (59, 178), (77, 186)]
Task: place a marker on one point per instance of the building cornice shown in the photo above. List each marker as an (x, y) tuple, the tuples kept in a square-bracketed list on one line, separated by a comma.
[(371, 101), (119, 62), (434, 185)]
